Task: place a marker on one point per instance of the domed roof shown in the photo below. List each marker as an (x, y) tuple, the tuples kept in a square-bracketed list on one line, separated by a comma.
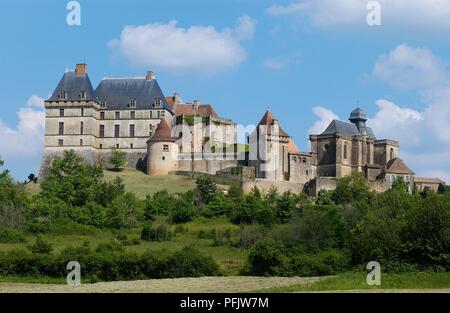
[(358, 114), (163, 133)]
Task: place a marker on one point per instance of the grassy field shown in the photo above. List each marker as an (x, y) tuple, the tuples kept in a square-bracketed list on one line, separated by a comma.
[(140, 183), (230, 259), (357, 281)]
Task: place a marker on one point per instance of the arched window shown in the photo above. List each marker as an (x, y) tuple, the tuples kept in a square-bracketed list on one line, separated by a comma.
[(345, 151), (392, 154)]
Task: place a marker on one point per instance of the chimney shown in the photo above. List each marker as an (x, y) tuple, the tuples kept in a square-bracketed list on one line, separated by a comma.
[(150, 75), (196, 104), (81, 69), (176, 98)]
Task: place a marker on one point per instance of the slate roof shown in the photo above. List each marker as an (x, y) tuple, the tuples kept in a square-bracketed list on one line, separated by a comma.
[(397, 166), (268, 120), (73, 84), (117, 92), (358, 114), (163, 133), (337, 126)]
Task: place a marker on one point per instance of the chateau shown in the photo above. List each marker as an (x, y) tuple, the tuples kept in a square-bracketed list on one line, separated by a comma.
[(161, 134)]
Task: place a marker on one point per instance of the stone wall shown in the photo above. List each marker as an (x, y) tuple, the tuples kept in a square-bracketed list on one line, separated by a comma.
[(265, 185), (238, 173), (206, 165)]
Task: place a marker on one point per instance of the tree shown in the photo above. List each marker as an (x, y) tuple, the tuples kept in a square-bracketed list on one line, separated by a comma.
[(41, 246), (267, 258), (117, 158), (206, 188), (71, 180)]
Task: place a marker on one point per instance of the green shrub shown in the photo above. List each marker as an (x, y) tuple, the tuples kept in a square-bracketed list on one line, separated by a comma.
[(41, 246), (156, 232), (267, 258), (189, 263), (8, 235)]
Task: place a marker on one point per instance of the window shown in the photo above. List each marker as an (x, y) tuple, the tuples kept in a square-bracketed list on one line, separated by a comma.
[(82, 111), (157, 103), (101, 146), (163, 113), (60, 142), (345, 151), (150, 133), (102, 115), (159, 114), (151, 114), (406, 178), (61, 112), (62, 95), (131, 146), (117, 115), (392, 154), (304, 160), (117, 146), (61, 128), (102, 103), (132, 115), (102, 131), (117, 131), (132, 103), (307, 173), (165, 148), (132, 130), (81, 142), (81, 128), (83, 95), (163, 158)]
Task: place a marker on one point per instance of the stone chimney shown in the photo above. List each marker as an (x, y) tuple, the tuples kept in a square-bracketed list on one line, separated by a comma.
[(196, 104), (150, 75), (81, 69), (176, 98)]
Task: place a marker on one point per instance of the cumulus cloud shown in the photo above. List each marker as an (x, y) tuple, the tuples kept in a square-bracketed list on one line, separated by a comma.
[(325, 116), (27, 138), (407, 67), (407, 13), (424, 134), (197, 48)]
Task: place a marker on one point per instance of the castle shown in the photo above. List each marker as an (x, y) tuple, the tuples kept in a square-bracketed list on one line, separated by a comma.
[(160, 134)]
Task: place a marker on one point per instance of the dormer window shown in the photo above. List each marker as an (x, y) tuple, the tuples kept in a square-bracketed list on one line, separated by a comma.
[(157, 103), (132, 103), (62, 95), (83, 95), (102, 103)]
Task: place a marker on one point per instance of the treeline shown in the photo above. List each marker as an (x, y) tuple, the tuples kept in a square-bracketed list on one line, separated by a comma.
[(285, 234)]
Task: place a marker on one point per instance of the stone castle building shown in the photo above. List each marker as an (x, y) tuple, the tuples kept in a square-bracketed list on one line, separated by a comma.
[(160, 134)]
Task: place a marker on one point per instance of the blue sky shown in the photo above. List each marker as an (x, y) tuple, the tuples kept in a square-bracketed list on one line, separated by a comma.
[(308, 60)]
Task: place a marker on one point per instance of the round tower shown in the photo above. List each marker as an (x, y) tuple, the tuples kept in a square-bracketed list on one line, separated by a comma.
[(162, 151)]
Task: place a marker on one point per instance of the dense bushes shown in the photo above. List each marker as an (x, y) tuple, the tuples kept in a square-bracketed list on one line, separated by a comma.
[(8, 235), (109, 263)]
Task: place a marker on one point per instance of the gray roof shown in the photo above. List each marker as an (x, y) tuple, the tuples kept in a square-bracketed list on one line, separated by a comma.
[(118, 91), (337, 126), (73, 84), (358, 114)]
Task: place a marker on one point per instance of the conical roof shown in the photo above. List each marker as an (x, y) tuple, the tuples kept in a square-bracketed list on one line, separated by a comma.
[(163, 132)]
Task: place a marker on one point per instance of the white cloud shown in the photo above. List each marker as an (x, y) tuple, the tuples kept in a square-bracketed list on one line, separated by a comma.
[(407, 13), (27, 139), (392, 121), (197, 48), (325, 117), (407, 67)]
